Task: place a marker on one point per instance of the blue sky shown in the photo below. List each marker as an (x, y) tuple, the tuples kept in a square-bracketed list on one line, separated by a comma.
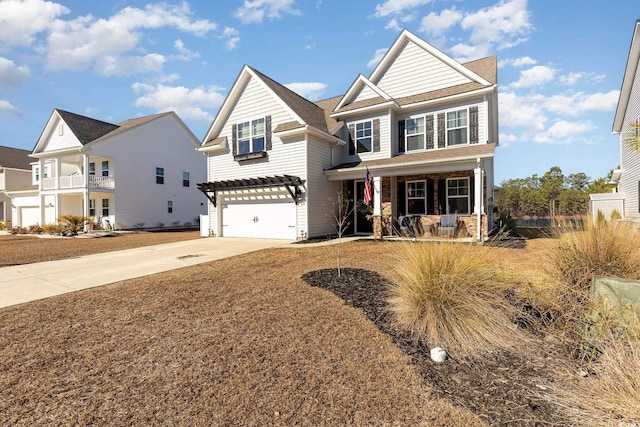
[(560, 63)]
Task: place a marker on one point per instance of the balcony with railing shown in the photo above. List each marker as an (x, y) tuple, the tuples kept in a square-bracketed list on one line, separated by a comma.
[(78, 181)]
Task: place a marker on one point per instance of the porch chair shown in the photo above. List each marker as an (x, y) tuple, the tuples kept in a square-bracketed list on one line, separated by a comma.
[(448, 225), (406, 225)]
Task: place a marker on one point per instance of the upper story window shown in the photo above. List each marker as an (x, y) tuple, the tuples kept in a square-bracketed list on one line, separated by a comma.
[(458, 195), (415, 134), (251, 136), (364, 136), (92, 168), (159, 175), (457, 127), (105, 168), (185, 179), (36, 174)]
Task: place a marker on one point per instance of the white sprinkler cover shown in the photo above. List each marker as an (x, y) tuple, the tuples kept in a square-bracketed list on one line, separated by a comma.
[(438, 354)]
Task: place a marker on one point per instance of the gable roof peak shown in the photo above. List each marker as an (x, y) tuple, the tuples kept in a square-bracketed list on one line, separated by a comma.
[(85, 128)]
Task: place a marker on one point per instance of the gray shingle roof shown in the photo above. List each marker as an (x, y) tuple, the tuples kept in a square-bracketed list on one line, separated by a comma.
[(84, 128), (15, 158)]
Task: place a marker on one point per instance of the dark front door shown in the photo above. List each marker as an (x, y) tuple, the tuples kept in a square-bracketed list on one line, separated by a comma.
[(362, 224)]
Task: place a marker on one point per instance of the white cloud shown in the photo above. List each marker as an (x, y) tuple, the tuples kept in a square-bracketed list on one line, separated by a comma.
[(12, 74), (184, 54), (506, 139), (436, 25), (231, 37), (21, 20), (571, 79), (377, 57), (254, 11), (535, 76), (189, 104), (80, 43), (522, 111), (7, 108), (517, 62), (309, 90), (580, 103), (397, 7), (564, 132)]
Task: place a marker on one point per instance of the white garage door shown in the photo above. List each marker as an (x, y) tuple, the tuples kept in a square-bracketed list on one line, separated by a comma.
[(267, 220), (29, 215)]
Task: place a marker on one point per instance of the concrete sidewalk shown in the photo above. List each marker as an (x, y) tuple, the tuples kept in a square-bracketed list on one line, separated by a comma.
[(29, 282)]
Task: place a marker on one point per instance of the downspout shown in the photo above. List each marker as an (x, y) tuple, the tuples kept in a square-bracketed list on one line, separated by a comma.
[(479, 174)]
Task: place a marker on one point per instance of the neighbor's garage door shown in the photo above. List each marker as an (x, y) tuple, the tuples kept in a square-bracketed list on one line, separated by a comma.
[(29, 215), (267, 220)]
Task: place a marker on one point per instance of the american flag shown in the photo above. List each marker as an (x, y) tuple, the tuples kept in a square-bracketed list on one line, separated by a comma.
[(368, 194)]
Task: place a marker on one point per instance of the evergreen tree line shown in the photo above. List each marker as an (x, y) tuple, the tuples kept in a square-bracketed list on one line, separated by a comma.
[(550, 194)]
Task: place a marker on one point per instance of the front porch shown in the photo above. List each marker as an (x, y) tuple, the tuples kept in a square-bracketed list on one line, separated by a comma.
[(74, 171)]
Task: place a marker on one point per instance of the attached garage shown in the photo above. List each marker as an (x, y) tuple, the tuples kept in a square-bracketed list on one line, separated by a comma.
[(256, 207), (267, 220), (29, 215)]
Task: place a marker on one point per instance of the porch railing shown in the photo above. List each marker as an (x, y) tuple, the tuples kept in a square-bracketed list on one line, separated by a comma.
[(77, 181)]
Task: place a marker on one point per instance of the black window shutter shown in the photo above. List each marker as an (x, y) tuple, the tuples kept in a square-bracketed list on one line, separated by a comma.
[(234, 140), (441, 131), (442, 197), (473, 125), (376, 135), (401, 136), (267, 133), (429, 131), (431, 200), (402, 198), (352, 142)]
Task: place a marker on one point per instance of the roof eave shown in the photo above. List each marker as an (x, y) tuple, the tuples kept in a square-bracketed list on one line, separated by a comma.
[(627, 81)]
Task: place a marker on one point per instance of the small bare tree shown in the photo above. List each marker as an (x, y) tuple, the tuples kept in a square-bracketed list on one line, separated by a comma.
[(341, 211)]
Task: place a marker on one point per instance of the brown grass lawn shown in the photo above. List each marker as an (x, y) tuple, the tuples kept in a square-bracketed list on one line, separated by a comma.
[(241, 341), (24, 249)]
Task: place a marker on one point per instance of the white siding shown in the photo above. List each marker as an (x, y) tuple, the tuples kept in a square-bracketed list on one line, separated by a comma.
[(136, 153), (320, 192), (59, 142), (366, 93), (629, 184), (417, 71), (285, 158)]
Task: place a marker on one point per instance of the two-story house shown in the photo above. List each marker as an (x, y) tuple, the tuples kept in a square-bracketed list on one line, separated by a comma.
[(626, 123), (422, 124), (15, 174), (140, 173)]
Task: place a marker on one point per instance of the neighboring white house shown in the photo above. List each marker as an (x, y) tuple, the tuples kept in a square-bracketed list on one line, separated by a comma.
[(628, 113), (424, 125), (15, 174), (138, 173)]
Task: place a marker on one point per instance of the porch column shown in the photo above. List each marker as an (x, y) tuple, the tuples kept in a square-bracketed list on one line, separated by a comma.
[(85, 171), (478, 204), (57, 172), (377, 189)]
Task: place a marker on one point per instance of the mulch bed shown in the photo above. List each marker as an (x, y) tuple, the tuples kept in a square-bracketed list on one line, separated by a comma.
[(502, 388)]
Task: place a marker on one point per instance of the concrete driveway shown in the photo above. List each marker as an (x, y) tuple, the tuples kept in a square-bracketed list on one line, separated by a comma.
[(29, 282)]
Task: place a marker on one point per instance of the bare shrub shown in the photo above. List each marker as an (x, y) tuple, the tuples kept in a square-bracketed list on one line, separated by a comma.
[(52, 228), (453, 295)]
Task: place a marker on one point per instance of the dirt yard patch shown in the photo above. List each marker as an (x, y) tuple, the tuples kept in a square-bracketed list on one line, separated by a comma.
[(246, 341)]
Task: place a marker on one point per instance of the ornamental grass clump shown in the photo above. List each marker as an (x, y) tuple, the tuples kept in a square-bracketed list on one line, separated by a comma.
[(586, 249), (453, 295)]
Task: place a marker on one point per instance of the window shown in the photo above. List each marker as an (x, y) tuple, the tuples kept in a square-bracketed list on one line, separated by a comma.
[(61, 129), (170, 206), (92, 168), (415, 133), (457, 127), (105, 168), (416, 198), (105, 207), (92, 207), (185, 179), (364, 137), (251, 136), (159, 175), (36, 173), (458, 195)]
